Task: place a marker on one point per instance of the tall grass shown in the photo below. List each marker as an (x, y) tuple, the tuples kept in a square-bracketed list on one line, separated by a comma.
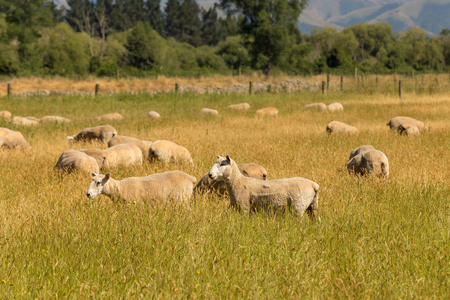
[(379, 238)]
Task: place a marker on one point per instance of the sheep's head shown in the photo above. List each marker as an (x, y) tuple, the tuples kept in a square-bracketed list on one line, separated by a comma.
[(221, 169), (97, 184)]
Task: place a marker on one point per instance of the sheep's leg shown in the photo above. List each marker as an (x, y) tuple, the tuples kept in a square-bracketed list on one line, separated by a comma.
[(312, 208)]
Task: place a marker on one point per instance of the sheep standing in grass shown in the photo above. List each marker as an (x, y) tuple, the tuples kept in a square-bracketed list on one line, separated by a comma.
[(370, 161), (395, 122), (248, 170), (98, 155), (121, 139), (125, 155), (240, 106), (167, 151), (73, 160), (248, 193), (268, 111), (316, 106), (11, 139), (408, 128), (54, 119), (5, 114), (209, 112), (336, 127), (168, 185), (110, 117), (333, 107), (153, 115), (25, 121), (101, 133)]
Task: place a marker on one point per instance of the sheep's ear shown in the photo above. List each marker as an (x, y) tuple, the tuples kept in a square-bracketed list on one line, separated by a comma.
[(228, 159), (218, 156), (107, 176), (93, 174)]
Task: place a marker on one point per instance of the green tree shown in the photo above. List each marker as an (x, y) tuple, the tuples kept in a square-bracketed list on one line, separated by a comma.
[(155, 16)]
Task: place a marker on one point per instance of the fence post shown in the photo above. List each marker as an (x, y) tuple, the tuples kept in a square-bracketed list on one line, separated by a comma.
[(250, 86), (376, 82), (328, 82), (97, 89), (323, 87), (9, 88), (342, 83), (177, 87), (356, 73), (400, 89), (117, 75)]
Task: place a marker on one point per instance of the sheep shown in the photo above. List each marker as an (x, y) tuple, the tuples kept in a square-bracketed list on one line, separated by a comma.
[(316, 106), (395, 122), (5, 114), (98, 155), (268, 111), (209, 112), (153, 115), (25, 121), (73, 160), (248, 170), (335, 107), (371, 161), (11, 139), (408, 128), (248, 193), (121, 139), (125, 155), (166, 151), (102, 133), (168, 185), (54, 119), (110, 117), (359, 150), (240, 106), (336, 127)]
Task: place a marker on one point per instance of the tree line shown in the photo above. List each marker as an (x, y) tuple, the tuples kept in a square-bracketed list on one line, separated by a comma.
[(141, 38)]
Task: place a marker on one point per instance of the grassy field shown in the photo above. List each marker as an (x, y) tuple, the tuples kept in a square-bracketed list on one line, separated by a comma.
[(379, 238)]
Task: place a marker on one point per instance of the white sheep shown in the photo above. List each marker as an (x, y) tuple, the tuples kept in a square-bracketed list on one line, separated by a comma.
[(408, 128), (168, 185), (248, 170), (316, 106), (209, 112), (336, 127), (395, 122), (5, 114), (98, 155), (371, 161), (268, 111), (153, 115), (248, 193), (125, 155), (167, 151), (110, 117), (102, 133), (54, 119), (11, 139), (73, 160), (359, 150), (25, 121), (239, 106), (335, 107), (121, 139)]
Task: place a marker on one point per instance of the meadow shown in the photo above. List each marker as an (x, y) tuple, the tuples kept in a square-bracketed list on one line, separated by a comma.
[(378, 237)]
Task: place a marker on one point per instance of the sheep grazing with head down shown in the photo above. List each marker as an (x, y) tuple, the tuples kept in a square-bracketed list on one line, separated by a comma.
[(153, 115), (239, 106), (168, 185), (333, 107), (11, 139), (121, 139), (268, 111), (316, 106), (73, 160), (408, 128), (5, 114), (367, 160), (110, 117), (248, 194), (125, 155), (167, 151), (248, 170), (395, 122), (209, 112), (54, 119), (25, 121), (336, 127), (101, 133)]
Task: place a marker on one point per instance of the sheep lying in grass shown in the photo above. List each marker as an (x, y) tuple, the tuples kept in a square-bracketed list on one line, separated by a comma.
[(101, 133), (168, 185), (336, 127), (167, 151), (408, 128), (268, 111), (125, 155), (54, 119), (5, 114), (110, 117), (73, 160), (25, 121), (209, 112), (240, 106), (316, 106), (335, 107), (11, 139), (153, 115), (248, 170), (395, 122), (368, 161), (248, 193), (121, 139)]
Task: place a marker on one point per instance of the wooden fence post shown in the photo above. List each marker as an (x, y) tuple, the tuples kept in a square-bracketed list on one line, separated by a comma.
[(356, 73), (250, 86), (177, 87), (9, 89), (328, 82), (323, 87), (97, 89), (400, 89), (342, 83)]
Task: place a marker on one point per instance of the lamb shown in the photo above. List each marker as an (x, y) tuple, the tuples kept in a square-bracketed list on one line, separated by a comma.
[(336, 127), (11, 139), (247, 194), (316, 106), (54, 119), (168, 185), (209, 111), (5, 114), (102, 133), (268, 111), (240, 106), (167, 151), (153, 115), (110, 117), (371, 161), (25, 121), (125, 155), (335, 107), (395, 122), (73, 160), (121, 139), (408, 128), (359, 150), (248, 170)]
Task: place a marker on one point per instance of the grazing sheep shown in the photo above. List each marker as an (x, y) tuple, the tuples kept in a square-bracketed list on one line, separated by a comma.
[(110, 117), (166, 151), (248, 170), (102, 133), (54, 119), (11, 139), (335, 107), (73, 160), (98, 155), (316, 106), (5, 114), (168, 185), (209, 111), (359, 150), (125, 155), (369, 162), (121, 139), (240, 106), (153, 115), (395, 122), (408, 128), (25, 121), (336, 127), (268, 111), (248, 193)]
